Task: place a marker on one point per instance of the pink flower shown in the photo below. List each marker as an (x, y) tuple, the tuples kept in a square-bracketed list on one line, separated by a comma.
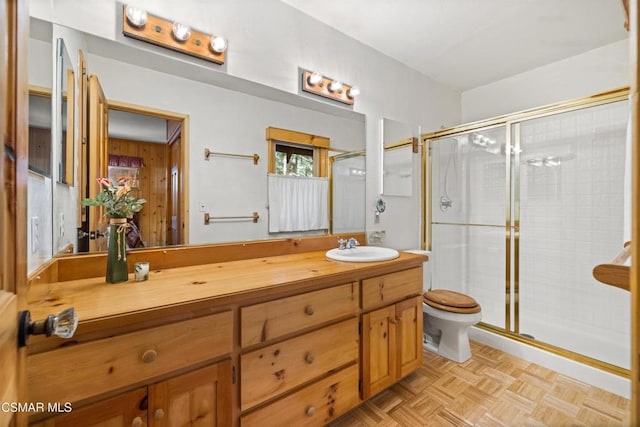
[(104, 182)]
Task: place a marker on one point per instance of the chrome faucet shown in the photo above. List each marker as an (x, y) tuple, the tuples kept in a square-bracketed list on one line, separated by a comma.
[(348, 244)]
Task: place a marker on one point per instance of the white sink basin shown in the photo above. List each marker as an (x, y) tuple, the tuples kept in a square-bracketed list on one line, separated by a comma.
[(363, 254)]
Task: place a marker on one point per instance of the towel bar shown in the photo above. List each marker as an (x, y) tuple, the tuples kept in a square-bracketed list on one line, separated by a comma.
[(615, 273)]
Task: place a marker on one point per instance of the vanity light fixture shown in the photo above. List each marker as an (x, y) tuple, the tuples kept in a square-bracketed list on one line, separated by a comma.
[(181, 32), (136, 17), (327, 87), (139, 24)]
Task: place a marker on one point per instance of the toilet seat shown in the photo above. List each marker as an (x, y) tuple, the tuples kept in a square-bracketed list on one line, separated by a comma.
[(450, 301)]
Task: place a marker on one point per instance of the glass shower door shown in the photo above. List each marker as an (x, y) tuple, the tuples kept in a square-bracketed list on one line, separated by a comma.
[(571, 169), (468, 218)]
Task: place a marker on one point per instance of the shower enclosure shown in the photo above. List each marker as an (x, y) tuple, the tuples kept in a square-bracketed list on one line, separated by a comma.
[(522, 209)]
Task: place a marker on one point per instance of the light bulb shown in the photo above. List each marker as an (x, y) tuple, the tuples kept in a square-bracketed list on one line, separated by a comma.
[(181, 32), (314, 79), (218, 44), (136, 17), (353, 92), (335, 86)]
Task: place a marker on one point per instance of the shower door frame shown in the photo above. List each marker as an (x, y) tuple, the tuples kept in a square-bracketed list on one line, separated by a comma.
[(512, 223)]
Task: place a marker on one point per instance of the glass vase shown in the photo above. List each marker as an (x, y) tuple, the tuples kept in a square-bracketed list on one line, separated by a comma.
[(117, 269)]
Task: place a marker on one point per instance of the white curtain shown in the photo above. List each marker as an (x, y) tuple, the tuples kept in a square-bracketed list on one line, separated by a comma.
[(297, 203)]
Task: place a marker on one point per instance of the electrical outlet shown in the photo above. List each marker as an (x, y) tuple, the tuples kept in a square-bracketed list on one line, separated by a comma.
[(61, 225), (202, 207), (35, 234)]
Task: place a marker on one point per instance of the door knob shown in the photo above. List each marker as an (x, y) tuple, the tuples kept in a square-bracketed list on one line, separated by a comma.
[(63, 325)]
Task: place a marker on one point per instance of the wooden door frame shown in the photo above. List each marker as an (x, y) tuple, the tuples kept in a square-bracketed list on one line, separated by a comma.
[(14, 119), (184, 152), (634, 96)]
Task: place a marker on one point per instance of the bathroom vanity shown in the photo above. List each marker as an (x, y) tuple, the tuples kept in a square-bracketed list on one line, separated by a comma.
[(292, 339)]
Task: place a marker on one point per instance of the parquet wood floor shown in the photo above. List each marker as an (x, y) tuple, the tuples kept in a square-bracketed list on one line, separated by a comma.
[(491, 389)]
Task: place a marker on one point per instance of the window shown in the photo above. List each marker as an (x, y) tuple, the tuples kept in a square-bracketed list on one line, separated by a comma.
[(296, 153)]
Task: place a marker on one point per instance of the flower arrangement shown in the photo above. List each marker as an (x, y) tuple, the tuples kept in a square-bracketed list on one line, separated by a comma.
[(116, 199)]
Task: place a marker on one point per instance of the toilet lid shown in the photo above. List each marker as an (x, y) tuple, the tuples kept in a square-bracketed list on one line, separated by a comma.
[(453, 302)]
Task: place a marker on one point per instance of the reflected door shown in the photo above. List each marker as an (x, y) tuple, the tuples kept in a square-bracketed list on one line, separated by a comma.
[(98, 125)]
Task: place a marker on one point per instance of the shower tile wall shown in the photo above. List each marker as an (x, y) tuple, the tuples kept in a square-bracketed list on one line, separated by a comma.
[(572, 201)]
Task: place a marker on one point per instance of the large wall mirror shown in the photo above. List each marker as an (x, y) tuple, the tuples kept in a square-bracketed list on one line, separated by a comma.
[(397, 160), (193, 107)]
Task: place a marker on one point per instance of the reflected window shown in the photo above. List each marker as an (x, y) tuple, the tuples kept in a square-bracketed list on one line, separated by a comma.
[(293, 160)]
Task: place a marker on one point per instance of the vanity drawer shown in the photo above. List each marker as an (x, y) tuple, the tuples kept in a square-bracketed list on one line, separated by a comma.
[(389, 288), (79, 371), (280, 367), (314, 405), (273, 319)]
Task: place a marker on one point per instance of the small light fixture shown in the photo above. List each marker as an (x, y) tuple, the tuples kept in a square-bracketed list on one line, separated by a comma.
[(218, 44), (327, 87), (172, 35), (314, 79), (181, 32), (136, 17), (335, 86), (353, 92)]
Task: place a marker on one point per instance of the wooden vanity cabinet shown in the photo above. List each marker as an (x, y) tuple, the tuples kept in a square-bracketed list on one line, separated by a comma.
[(88, 370), (305, 372), (200, 397), (392, 334)]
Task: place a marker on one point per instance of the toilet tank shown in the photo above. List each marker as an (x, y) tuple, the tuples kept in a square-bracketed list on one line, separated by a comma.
[(426, 268)]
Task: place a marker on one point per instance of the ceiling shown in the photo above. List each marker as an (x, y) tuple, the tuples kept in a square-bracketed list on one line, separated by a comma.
[(469, 43)]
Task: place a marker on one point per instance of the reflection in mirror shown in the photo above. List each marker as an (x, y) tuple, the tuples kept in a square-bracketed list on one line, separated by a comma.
[(40, 131), (65, 135), (41, 76), (348, 176), (397, 160), (234, 123)]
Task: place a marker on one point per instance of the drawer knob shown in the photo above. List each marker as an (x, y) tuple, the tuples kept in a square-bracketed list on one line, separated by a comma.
[(137, 422), (149, 356), (159, 414), (308, 310), (309, 358), (310, 411)]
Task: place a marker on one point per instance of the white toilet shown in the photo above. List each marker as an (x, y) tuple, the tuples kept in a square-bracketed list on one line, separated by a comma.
[(447, 317)]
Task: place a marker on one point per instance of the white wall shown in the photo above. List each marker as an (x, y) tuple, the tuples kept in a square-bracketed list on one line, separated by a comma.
[(595, 71), (268, 42)]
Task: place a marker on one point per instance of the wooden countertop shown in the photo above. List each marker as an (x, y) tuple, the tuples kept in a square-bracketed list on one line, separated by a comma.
[(96, 300)]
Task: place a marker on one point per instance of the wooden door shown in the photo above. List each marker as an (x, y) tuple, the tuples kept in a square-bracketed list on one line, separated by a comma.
[(174, 234), (197, 398), (409, 318), (379, 366), (126, 410), (98, 125), (14, 101)]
